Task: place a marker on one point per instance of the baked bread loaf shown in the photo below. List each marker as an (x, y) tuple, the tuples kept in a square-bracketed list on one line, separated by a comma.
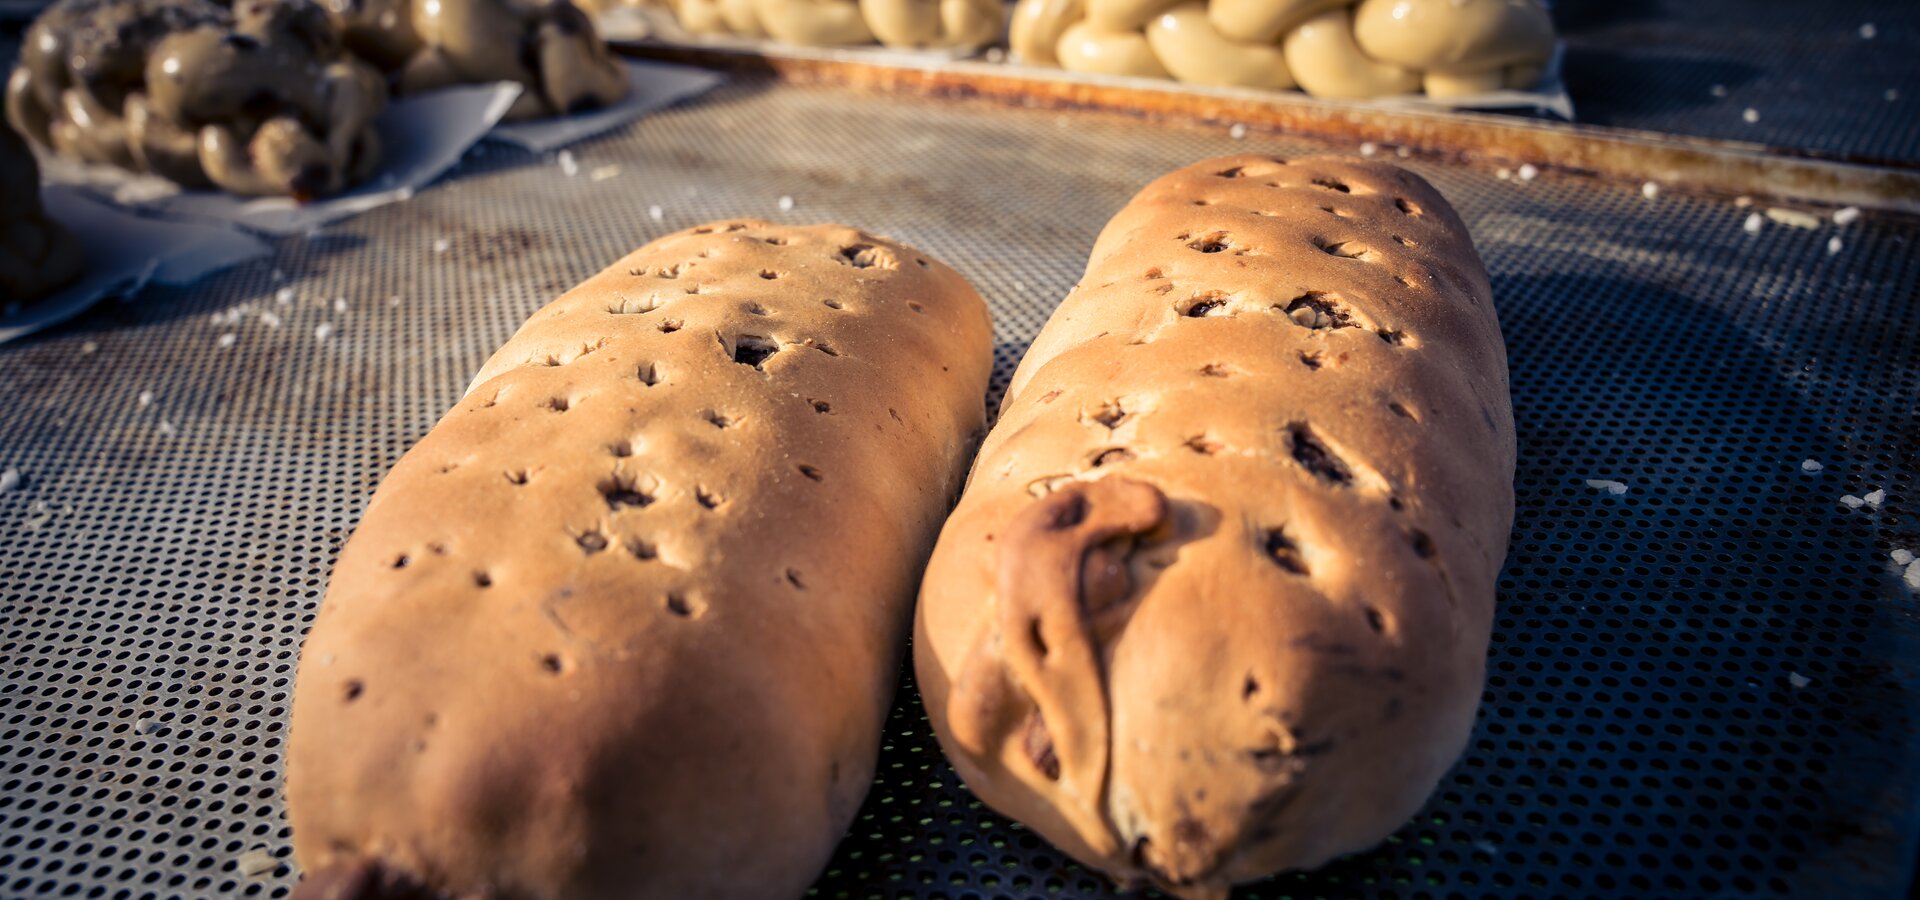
[(626, 622), (1217, 598), (1329, 48)]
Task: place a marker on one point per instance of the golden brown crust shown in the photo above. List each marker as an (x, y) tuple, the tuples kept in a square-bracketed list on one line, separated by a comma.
[(624, 623), (1302, 356)]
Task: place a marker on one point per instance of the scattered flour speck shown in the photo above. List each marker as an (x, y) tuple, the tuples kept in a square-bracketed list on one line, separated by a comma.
[(1528, 172), (9, 480), (786, 204), (1846, 215), (228, 339), (1876, 498), (656, 213), (1834, 245), (1650, 190), (322, 331), (1810, 465), (1798, 680), (1851, 502), (1901, 556), (568, 165), (1615, 488), (1237, 132), (1754, 223)]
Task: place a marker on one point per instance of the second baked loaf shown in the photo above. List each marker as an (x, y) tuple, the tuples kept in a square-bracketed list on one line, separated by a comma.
[(626, 622), (1217, 599)]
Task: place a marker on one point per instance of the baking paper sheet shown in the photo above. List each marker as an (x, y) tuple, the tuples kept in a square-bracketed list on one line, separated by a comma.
[(422, 137), (124, 252), (651, 86)]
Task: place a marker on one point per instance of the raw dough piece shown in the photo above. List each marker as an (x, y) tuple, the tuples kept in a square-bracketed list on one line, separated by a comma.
[(1084, 48), (1326, 62), (1186, 43)]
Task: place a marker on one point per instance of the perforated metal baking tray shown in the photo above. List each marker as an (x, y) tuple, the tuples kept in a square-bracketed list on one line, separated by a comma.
[(1703, 674)]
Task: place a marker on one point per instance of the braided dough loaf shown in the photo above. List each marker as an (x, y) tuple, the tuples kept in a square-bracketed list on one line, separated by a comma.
[(626, 622), (1329, 48), (895, 23), (1216, 601)]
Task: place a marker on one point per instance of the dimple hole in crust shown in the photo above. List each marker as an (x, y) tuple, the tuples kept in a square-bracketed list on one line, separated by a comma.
[(1111, 414), (628, 306), (591, 542), (754, 350), (1212, 243), (1319, 310), (755, 309), (769, 274), (1403, 241), (401, 561), (811, 472), (1284, 552), (1315, 456), (1204, 445), (642, 550), (1051, 396), (1216, 370), (1394, 338), (793, 578), (1235, 172), (823, 347), (833, 304), (1211, 303), (649, 374), (354, 688), (707, 498), (482, 580), (623, 491), (519, 476), (1155, 274), (552, 664), (1111, 456), (1406, 282), (1312, 359), (1422, 544), (1400, 409), (678, 605), (1376, 620), (1405, 206), (775, 240), (1249, 687), (1345, 249), (860, 256), (720, 420), (559, 404), (1332, 184), (917, 306), (670, 326)]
